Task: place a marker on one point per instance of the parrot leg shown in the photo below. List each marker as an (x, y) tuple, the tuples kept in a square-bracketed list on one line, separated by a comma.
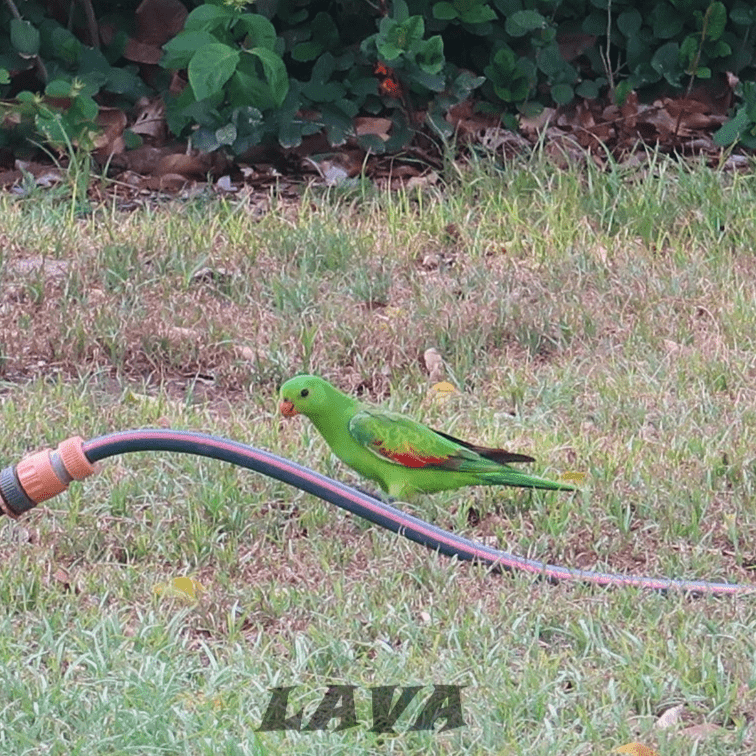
[(375, 494)]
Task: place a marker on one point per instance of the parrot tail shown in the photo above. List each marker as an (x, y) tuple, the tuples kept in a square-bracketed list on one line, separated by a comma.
[(523, 480)]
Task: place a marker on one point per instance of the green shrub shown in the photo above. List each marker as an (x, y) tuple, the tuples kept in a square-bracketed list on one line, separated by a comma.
[(279, 71)]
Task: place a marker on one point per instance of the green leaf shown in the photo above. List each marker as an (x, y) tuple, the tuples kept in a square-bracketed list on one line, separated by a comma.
[(431, 55), (275, 73), (508, 7), (364, 86), (290, 134), (595, 24), (179, 50), (389, 51), (24, 37), (399, 11), (666, 61), (743, 16), (247, 87), (338, 123), (4, 76), (587, 89), (638, 52), (260, 31), (434, 82), (226, 134), (65, 45), (562, 93), (515, 92), (320, 88), (346, 61), (325, 30), (306, 51), (207, 17), (93, 68), (132, 140), (622, 91), (248, 122), (689, 48), (211, 67), (511, 83), (58, 88), (667, 21), (438, 122), (412, 30), (502, 67), (551, 61), (52, 126), (522, 22), (247, 118), (630, 22), (125, 81), (444, 11), (477, 14), (731, 131), (372, 143), (717, 20), (721, 50), (85, 107), (204, 139), (465, 83), (329, 92), (323, 68)]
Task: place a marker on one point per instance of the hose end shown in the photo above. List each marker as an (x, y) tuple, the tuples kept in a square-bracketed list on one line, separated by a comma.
[(42, 475)]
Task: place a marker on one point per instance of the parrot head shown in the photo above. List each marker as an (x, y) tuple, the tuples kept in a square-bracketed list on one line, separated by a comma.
[(305, 394)]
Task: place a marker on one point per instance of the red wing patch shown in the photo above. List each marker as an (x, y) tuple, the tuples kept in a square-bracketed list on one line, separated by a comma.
[(409, 457)]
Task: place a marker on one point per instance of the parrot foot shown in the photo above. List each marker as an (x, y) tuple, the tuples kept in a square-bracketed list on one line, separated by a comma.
[(374, 494)]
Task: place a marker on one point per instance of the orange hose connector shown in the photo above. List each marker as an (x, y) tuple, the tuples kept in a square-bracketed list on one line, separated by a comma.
[(43, 475)]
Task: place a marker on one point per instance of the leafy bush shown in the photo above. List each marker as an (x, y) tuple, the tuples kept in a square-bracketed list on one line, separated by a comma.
[(279, 71)]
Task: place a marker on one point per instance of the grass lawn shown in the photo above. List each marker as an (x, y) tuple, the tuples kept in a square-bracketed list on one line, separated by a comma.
[(603, 322)]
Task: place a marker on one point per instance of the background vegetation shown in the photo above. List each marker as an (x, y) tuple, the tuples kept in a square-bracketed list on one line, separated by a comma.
[(234, 75)]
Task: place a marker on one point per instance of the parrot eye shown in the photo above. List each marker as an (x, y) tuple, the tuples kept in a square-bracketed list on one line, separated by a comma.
[(304, 392)]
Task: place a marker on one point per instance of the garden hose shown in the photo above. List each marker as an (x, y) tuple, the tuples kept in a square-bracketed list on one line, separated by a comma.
[(49, 472)]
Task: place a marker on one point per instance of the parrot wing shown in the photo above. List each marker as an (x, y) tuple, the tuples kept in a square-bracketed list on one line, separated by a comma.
[(399, 439)]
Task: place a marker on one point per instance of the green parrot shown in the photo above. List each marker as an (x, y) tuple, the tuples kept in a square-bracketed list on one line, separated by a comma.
[(404, 457)]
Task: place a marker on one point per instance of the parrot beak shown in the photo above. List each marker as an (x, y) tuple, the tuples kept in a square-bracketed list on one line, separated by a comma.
[(287, 408)]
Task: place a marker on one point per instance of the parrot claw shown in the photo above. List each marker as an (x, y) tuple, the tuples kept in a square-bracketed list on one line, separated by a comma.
[(377, 495)]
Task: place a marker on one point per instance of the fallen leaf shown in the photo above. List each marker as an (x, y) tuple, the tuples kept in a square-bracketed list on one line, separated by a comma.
[(178, 333), (378, 126), (157, 21), (635, 749), (670, 717), (434, 364), (420, 182), (206, 274), (572, 476), (62, 577), (110, 140), (185, 588), (703, 730), (442, 391), (188, 166), (444, 387), (168, 182), (224, 184), (245, 352), (149, 118)]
